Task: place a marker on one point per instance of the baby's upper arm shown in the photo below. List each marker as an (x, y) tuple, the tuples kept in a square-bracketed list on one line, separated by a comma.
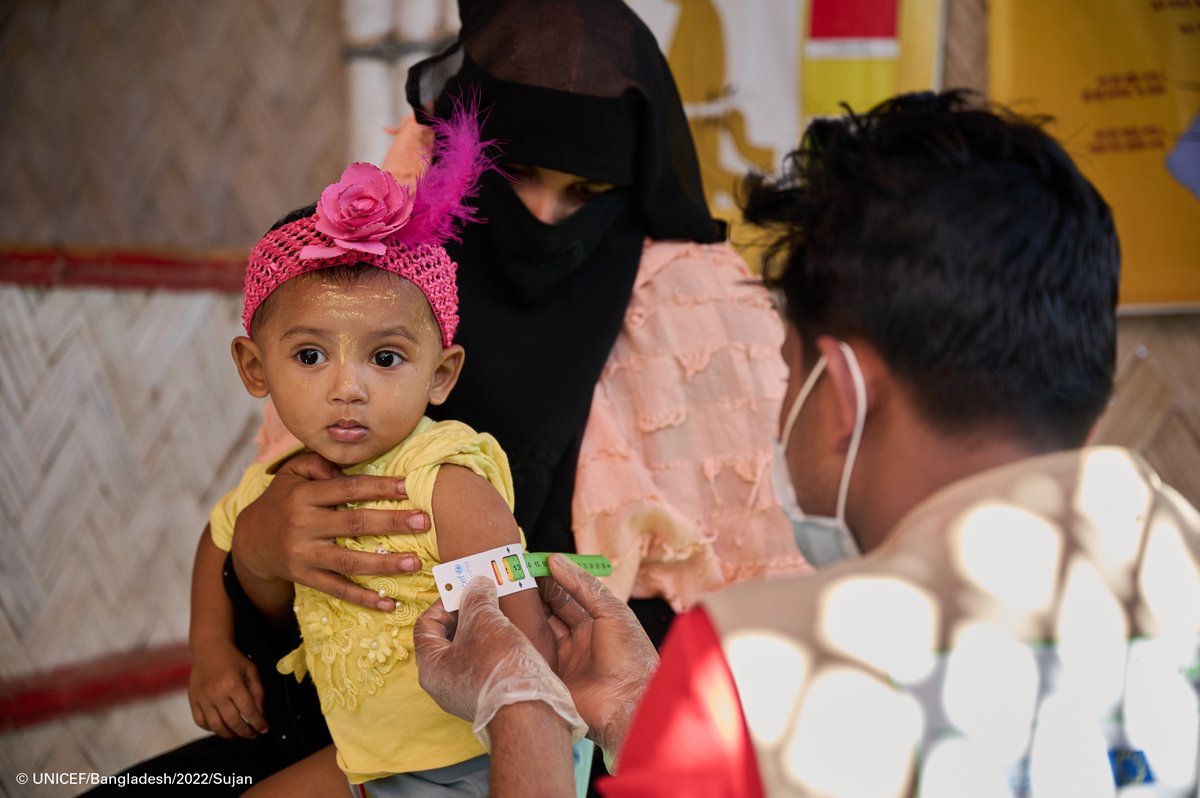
[(471, 516)]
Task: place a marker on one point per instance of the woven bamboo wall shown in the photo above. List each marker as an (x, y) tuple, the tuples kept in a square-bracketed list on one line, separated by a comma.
[(177, 124), (187, 125), (1156, 404), (123, 421), (964, 60)]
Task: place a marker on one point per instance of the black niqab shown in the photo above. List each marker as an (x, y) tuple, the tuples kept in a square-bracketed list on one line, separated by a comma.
[(579, 86)]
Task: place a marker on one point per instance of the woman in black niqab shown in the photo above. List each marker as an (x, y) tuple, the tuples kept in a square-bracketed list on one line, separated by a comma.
[(578, 86)]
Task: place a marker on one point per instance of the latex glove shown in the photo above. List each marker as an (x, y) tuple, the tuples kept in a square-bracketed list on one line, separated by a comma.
[(604, 656), (476, 662), (287, 534)]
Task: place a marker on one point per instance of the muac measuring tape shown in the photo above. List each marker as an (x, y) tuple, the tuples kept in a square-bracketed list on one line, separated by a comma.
[(511, 567)]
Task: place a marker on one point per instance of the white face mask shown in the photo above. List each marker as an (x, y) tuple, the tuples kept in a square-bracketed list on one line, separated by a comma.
[(822, 539)]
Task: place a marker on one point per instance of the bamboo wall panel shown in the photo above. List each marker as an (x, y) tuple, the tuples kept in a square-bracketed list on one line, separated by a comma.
[(1156, 402), (102, 743), (964, 63), (190, 123), (187, 125), (123, 421)]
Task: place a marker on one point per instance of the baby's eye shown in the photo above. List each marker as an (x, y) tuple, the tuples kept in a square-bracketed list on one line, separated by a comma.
[(386, 359), (311, 357)]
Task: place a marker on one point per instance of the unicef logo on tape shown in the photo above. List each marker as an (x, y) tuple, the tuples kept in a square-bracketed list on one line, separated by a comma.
[(458, 569)]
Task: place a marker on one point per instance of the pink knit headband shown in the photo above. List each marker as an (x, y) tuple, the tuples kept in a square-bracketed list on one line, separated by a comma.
[(368, 217), (278, 257)]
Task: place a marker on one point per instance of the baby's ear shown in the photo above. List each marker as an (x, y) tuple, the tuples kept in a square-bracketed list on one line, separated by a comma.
[(445, 377), (248, 358)]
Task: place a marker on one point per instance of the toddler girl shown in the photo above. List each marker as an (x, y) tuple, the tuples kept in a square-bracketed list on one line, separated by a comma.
[(351, 308)]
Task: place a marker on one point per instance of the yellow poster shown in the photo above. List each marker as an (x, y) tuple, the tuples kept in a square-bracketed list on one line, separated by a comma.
[(1122, 80), (753, 75)]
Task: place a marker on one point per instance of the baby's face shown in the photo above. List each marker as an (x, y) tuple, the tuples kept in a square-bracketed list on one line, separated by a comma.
[(350, 367)]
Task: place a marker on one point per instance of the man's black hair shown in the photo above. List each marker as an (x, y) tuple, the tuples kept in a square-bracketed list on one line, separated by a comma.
[(965, 245)]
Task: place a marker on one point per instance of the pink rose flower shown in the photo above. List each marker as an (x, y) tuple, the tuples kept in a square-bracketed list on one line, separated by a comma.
[(360, 212)]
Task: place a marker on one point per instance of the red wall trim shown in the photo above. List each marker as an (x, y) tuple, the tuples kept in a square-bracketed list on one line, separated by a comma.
[(213, 270), (94, 685)]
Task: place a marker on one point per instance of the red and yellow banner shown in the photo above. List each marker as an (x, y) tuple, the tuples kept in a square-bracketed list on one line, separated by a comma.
[(753, 75), (850, 55)]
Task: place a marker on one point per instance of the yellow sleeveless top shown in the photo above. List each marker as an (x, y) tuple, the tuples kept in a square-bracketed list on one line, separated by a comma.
[(362, 660)]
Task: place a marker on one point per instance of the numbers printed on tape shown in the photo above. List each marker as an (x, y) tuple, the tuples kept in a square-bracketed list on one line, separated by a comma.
[(595, 564)]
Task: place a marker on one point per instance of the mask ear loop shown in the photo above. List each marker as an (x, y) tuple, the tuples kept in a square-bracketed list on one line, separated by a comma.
[(788, 423), (798, 402), (860, 422)]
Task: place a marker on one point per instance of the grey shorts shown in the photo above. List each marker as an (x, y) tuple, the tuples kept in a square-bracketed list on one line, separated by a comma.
[(468, 778)]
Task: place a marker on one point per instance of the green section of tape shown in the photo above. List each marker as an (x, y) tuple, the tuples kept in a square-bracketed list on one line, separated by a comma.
[(594, 564)]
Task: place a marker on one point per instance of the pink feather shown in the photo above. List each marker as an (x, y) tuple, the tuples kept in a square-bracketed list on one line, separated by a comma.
[(459, 159)]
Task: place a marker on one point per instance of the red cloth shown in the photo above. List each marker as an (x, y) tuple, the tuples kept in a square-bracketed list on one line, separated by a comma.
[(688, 736)]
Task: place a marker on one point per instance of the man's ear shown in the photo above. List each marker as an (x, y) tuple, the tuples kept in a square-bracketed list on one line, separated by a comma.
[(842, 380), (445, 376), (248, 358)]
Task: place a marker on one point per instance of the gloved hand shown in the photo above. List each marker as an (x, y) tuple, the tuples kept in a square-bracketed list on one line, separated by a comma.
[(476, 662), (604, 656)]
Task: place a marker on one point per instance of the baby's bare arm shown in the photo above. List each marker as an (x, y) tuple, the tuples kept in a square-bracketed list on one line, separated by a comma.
[(471, 516), (224, 691)]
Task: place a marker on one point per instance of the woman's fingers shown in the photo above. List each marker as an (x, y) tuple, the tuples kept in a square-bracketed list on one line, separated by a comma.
[(340, 490)]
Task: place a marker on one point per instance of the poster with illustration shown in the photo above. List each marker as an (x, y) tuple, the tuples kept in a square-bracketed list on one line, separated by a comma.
[(1123, 83), (752, 75)]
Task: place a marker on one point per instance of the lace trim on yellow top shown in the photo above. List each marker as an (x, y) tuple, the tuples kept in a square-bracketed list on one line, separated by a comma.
[(351, 652)]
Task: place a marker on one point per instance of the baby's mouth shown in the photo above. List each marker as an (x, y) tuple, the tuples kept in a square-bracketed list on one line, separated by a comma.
[(347, 431)]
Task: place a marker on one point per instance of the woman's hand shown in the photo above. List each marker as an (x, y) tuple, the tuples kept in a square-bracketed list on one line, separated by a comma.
[(287, 535), (604, 656), (224, 692)]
